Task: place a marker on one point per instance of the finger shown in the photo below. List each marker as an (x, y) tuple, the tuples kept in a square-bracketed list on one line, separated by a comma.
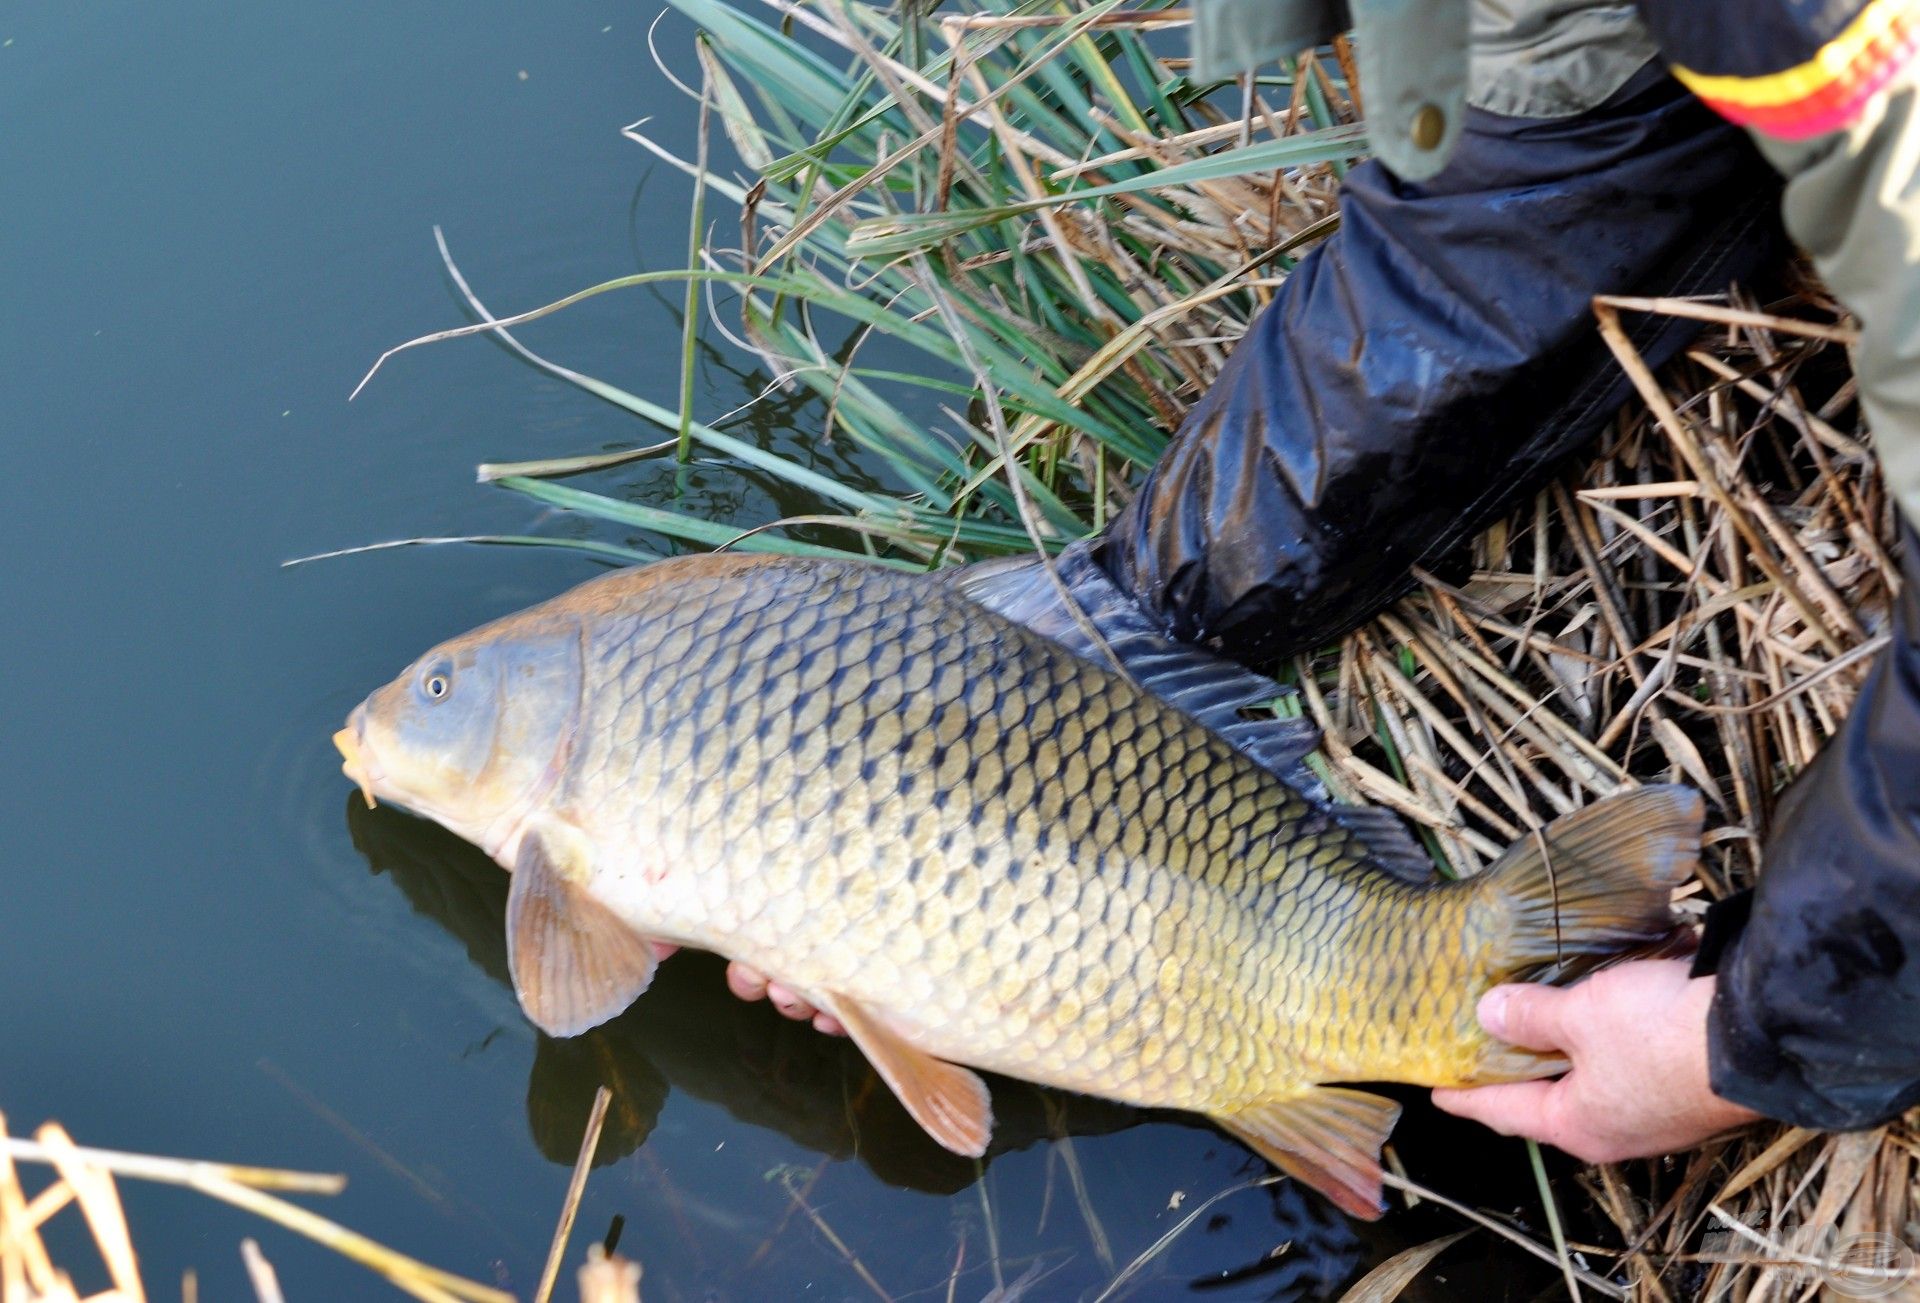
[(1516, 1109), (789, 1004), (1534, 1016), (661, 949), (747, 983), (826, 1022)]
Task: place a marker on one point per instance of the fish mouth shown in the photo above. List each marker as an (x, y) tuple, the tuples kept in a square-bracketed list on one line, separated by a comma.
[(354, 761)]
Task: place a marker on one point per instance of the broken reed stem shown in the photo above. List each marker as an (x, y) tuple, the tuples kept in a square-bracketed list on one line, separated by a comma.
[(608, 1278), (23, 1258), (1083, 1200), (576, 1188), (832, 1237), (1146, 20), (1174, 1232), (1599, 1284), (1606, 305), (178, 1171), (99, 1201), (1663, 411), (266, 1281), (409, 1275)]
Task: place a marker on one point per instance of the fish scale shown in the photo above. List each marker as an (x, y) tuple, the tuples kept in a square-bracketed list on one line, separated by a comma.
[(991, 719), (976, 847)]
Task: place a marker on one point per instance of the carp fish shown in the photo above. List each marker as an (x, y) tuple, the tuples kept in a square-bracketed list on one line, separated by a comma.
[(978, 848)]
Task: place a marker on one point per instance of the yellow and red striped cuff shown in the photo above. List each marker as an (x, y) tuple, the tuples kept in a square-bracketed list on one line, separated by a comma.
[(1827, 91)]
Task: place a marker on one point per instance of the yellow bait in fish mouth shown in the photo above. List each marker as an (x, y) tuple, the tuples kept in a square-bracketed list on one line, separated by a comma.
[(351, 764)]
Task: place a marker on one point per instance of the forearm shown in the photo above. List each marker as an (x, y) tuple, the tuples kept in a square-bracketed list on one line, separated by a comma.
[(1817, 1017)]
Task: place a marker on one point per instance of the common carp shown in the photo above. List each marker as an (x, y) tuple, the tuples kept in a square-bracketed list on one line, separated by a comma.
[(973, 846)]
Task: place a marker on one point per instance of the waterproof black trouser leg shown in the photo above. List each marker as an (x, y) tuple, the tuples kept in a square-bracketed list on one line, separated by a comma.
[(1433, 362)]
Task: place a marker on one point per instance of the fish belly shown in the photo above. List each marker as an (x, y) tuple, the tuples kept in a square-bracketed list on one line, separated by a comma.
[(1151, 988)]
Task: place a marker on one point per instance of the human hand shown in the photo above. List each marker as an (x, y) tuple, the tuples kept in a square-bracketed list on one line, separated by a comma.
[(751, 984), (1636, 1036)]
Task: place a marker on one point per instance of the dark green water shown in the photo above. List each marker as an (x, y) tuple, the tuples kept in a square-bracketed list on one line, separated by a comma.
[(212, 218)]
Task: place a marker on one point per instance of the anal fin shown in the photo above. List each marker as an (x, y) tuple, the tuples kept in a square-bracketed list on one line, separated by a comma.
[(574, 963), (1328, 1137), (950, 1102)]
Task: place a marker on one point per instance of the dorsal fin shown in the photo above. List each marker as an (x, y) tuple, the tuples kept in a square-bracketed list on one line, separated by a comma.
[(1213, 690), (1389, 844), (1208, 687)]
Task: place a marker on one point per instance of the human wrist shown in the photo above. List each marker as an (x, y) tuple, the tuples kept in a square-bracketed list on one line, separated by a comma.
[(1715, 1112)]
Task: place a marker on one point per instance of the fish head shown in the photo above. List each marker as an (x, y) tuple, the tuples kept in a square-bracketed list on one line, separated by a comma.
[(473, 734)]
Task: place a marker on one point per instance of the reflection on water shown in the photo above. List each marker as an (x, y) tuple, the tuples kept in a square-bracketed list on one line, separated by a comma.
[(688, 1033)]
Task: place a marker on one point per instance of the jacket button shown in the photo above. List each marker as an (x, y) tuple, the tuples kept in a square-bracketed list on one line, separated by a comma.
[(1429, 124)]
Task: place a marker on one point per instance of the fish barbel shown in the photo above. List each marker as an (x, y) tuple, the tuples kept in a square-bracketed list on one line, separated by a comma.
[(974, 847)]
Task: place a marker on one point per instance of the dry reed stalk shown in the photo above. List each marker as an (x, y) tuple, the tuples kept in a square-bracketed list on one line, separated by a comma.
[(85, 1178), (576, 1188), (266, 1281), (608, 1278)]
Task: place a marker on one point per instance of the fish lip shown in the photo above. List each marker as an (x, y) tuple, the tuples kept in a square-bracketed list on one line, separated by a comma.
[(355, 763)]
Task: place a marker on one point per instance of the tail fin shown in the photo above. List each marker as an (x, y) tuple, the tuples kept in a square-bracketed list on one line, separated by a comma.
[(1595, 882)]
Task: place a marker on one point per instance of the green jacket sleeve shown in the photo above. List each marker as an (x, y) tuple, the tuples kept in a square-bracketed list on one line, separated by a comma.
[(1828, 93), (1853, 202)]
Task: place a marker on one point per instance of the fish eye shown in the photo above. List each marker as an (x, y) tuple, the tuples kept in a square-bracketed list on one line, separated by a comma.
[(437, 682)]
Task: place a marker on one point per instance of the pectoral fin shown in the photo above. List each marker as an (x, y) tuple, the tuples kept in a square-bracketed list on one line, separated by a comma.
[(574, 963), (949, 1101), (1327, 1137)]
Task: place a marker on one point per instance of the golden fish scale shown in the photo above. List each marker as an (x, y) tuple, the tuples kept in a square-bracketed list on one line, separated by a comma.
[(865, 784)]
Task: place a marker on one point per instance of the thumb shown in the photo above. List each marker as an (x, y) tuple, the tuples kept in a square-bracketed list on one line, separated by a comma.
[(1524, 1014)]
